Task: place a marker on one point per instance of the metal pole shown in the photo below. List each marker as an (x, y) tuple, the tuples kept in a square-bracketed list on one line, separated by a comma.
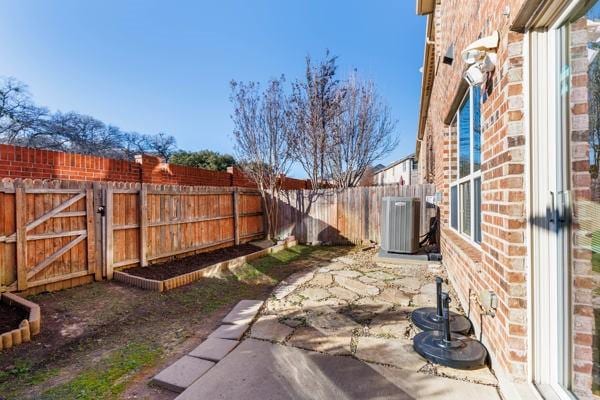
[(438, 287), (446, 311)]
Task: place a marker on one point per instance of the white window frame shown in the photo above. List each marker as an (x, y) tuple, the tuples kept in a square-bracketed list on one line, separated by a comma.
[(471, 177)]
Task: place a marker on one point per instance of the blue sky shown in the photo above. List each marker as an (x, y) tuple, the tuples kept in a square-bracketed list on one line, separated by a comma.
[(151, 66)]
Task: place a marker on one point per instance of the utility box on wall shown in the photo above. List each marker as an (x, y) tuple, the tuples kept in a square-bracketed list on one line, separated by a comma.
[(400, 222)]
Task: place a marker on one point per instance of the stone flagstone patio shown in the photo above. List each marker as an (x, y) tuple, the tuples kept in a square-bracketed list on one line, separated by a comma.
[(357, 307)]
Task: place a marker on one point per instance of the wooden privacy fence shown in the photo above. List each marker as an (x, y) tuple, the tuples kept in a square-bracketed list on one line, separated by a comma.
[(56, 234), (153, 222), (342, 216)]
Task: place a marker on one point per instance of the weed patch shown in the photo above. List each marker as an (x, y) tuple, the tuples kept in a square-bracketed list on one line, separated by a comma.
[(107, 379)]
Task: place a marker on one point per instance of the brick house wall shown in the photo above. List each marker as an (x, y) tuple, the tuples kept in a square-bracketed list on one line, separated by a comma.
[(586, 219), (498, 264)]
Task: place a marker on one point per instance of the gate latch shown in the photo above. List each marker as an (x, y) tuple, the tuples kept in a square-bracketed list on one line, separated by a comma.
[(101, 210)]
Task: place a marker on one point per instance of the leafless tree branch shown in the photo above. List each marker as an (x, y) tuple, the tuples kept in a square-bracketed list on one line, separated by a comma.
[(262, 129)]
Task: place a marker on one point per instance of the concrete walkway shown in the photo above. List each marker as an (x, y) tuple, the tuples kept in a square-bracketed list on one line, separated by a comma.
[(342, 331), (261, 370)]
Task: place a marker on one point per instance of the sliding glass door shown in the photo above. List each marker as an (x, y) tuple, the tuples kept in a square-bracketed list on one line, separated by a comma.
[(565, 136)]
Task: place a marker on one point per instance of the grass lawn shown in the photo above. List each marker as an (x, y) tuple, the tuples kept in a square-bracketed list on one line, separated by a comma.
[(105, 340)]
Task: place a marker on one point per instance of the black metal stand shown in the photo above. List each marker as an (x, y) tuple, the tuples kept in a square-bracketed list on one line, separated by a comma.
[(431, 319), (452, 350)]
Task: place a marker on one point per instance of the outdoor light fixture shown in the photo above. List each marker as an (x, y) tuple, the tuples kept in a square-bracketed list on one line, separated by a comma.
[(474, 76), (482, 57)]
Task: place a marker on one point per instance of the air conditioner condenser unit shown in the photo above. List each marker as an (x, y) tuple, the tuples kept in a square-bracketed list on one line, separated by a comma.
[(400, 222)]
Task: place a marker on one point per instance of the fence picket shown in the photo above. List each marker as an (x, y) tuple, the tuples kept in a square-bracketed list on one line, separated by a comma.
[(21, 233), (342, 216)]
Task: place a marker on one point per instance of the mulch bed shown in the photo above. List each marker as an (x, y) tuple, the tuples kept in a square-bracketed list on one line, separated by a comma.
[(10, 317), (182, 266)]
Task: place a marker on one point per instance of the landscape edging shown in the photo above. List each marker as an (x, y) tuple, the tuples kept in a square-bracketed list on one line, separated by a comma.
[(27, 328), (214, 270)]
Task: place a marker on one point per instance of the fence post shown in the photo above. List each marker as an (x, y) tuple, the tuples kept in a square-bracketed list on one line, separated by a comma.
[(143, 201), (99, 231), (91, 234), (236, 216), (21, 235), (109, 232)]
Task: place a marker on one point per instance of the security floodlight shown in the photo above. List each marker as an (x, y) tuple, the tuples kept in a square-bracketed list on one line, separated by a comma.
[(483, 45), (474, 75)]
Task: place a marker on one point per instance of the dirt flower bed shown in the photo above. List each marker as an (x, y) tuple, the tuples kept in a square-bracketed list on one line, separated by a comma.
[(162, 271), (10, 317)]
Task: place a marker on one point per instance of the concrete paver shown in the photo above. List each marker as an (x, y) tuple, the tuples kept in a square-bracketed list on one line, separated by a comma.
[(243, 312), (232, 332), (182, 373), (214, 349)]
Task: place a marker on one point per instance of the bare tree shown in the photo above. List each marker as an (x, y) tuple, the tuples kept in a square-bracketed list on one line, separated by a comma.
[(18, 115), (261, 130), (315, 102), (77, 133), (23, 123), (161, 144), (362, 133)]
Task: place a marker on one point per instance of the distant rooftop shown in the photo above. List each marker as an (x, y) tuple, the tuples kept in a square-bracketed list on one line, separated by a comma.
[(393, 164)]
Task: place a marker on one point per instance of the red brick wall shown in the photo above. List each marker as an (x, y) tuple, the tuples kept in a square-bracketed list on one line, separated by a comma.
[(288, 183), (498, 264), (156, 171), (24, 162), (585, 211), (239, 178)]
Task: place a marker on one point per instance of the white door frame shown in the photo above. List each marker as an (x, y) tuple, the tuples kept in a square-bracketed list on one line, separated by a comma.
[(549, 331)]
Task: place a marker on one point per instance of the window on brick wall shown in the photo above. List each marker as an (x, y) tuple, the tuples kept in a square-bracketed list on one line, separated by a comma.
[(465, 167)]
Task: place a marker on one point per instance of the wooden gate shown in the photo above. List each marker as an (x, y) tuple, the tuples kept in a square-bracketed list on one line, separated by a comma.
[(53, 236)]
